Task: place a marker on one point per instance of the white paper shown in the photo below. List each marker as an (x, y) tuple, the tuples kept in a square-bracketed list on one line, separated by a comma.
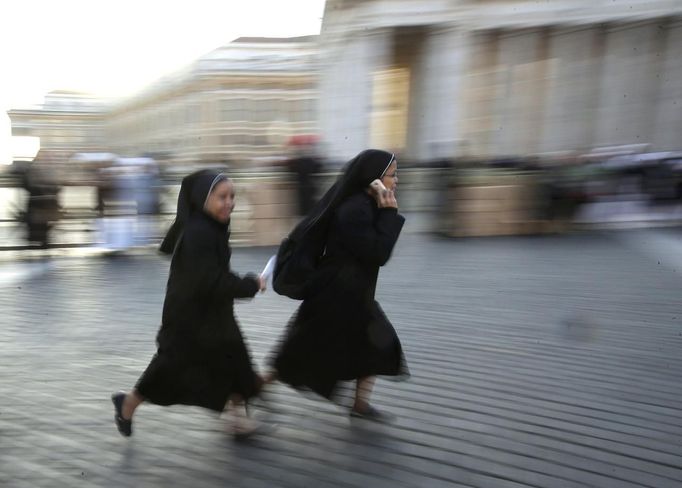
[(269, 268)]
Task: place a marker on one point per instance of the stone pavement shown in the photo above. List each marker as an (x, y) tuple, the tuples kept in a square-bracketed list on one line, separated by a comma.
[(536, 362)]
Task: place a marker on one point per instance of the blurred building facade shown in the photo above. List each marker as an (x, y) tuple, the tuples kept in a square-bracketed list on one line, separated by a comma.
[(433, 79), (237, 103), (429, 79), (66, 123)]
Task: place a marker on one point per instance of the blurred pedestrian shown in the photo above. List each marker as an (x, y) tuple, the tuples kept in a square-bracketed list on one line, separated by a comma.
[(201, 359), (304, 165), (148, 199), (42, 208), (340, 332), (118, 223)]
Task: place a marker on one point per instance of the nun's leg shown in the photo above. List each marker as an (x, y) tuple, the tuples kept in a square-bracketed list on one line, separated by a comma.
[(124, 407), (362, 408), (363, 391), (132, 400)]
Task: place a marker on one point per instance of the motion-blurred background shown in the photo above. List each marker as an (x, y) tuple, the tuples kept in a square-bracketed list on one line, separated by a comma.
[(507, 117)]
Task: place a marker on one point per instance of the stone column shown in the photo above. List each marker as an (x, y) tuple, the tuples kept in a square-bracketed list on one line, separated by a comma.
[(573, 89), (480, 89), (629, 84), (520, 103), (668, 125), (348, 62), (436, 92)]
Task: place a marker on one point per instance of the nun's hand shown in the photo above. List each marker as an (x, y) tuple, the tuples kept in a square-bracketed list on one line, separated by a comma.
[(386, 199), (262, 283)]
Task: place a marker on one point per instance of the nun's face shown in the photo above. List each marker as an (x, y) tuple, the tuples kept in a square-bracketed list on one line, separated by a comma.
[(390, 178), (220, 202)]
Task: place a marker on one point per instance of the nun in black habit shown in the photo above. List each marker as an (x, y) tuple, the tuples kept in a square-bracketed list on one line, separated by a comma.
[(201, 358), (340, 332)]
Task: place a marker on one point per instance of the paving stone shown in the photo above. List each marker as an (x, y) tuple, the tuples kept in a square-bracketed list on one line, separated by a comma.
[(536, 362)]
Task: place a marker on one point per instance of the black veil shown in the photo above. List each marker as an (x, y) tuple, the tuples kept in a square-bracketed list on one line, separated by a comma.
[(194, 190)]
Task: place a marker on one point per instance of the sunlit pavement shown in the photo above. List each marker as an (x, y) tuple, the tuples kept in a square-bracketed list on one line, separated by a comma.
[(544, 361)]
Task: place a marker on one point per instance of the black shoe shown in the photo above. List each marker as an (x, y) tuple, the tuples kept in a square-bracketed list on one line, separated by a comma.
[(125, 427), (372, 414)]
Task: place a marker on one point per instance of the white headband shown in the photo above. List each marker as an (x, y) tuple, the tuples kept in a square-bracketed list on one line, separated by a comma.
[(389, 163), (219, 177)]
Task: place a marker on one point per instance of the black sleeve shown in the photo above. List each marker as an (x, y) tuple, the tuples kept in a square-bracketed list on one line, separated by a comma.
[(369, 240), (205, 271)]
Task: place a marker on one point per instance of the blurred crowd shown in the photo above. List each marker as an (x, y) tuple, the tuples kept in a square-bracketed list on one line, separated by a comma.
[(127, 197), (129, 190), (558, 187)]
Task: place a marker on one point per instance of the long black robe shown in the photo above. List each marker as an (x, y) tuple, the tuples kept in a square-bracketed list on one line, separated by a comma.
[(201, 357), (340, 332)]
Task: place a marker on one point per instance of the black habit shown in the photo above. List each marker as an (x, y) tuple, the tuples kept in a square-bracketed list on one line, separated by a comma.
[(201, 358), (340, 332)]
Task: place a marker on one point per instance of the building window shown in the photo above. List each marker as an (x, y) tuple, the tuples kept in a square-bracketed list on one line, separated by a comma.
[(262, 110), (233, 109), (192, 114)]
